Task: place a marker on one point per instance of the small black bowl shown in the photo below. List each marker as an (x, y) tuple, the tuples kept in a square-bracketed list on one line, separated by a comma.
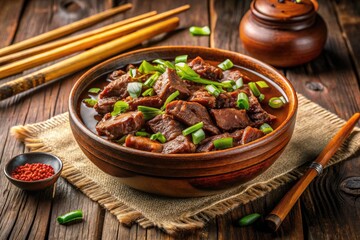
[(34, 157)]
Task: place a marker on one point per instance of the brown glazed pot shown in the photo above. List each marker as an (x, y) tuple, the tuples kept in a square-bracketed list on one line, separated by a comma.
[(283, 34), (183, 175)]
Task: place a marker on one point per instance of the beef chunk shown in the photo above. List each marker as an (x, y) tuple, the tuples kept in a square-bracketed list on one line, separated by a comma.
[(153, 101), (191, 113), (180, 144), (165, 124), (143, 143), (257, 114), (168, 83), (250, 134), (117, 88), (230, 118), (231, 75), (122, 124), (228, 99), (116, 74), (204, 98), (105, 105), (207, 144), (206, 70)]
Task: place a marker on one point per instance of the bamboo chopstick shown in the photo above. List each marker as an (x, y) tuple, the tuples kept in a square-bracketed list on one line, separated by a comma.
[(82, 44), (61, 42), (62, 31), (275, 218), (85, 59)]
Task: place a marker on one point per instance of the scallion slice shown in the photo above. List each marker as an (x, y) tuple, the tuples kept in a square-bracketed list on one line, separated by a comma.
[(142, 134), (261, 97), (276, 102), (90, 102), (199, 31), (70, 217), (121, 140), (151, 80), (164, 63), (266, 128), (148, 92), (262, 84), (225, 65), (198, 136), (158, 136), (248, 220), (213, 90), (192, 128), (149, 112), (170, 98), (119, 107), (132, 72), (239, 83), (223, 143), (254, 89), (94, 90), (146, 67), (243, 101), (181, 58), (134, 89)]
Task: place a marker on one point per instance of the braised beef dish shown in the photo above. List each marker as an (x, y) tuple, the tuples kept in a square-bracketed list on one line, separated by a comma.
[(182, 106)]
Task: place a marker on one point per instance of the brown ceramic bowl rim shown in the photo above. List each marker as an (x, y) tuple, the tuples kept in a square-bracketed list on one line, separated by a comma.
[(56, 174), (213, 154)]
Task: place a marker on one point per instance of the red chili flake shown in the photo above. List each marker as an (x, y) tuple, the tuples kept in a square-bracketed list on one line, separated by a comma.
[(33, 172)]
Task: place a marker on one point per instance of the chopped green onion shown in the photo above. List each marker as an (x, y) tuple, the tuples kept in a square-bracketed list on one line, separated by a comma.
[(231, 84), (238, 83), (149, 112), (213, 90), (243, 101), (262, 84), (142, 134), (199, 31), (192, 128), (148, 92), (94, 90), (266, 128), (276, 102), (146, 67), (249, 219), (223, 143), (70, 217), (90, 102), (158, 136), (164, 63), (181, 58), (121, 140), (132, 72), (225, 65), (254, 89), (119, 107), (134, 89), (151, 80), (261, 97), (170, 98), (198, 136)]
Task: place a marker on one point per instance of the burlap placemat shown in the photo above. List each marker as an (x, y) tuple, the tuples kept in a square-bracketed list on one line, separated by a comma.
[(314, 128)]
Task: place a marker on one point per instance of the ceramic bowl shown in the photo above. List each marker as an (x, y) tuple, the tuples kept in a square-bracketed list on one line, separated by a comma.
[(34, 157), (183, 175)]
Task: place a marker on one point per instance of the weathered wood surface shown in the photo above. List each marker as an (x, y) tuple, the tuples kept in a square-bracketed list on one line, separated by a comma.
[(325, 211)]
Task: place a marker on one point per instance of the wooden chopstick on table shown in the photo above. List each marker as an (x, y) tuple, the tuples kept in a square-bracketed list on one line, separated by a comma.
[(84, 43), (62, 31), (275, 218), (85, 59)]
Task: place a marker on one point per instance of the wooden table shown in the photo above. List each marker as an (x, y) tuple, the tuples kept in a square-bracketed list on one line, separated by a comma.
[(325, 211)]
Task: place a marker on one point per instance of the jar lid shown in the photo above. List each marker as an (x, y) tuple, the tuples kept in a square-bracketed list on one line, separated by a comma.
[(283, 10)]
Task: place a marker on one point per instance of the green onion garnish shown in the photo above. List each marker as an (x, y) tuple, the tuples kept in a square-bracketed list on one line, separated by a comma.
[(249, 219), (119, 107), (142, 134), (198, 136), (170, 98), (213, 90), (94, 90), (254, 89), (70, 217), (158, 136), (134, 89), (181, 58), (243, 101), (151, 80), (266, 128), (262, 84), (148, 92), (199, 31), (276, 102), (261, 97), (149, 112), (132, 72), (225, 65), (231, 83), (121, 140), (238, 83), (164, 63), (192, 128), (147, 67), (90, 102), (223, 143)]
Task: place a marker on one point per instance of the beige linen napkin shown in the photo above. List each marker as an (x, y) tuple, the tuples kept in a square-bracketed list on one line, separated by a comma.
[(314, 128)]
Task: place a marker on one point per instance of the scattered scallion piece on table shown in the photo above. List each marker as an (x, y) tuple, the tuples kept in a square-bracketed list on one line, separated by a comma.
[(223, 143), (164, 63), (225, 65), (170, 98), (151, 80), (261, 97), (243, 101), (142, 134), (254, 89), (266, 128), (149, 112), (199, 31), (119, 107), (262, 84), (275, 102), (70, 217), (148, 92), (213, 90), (192, 128), (94, 90), (159, 137), (90, 102), (134, 89), (248, 220), (181, 58), (198, 136)]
